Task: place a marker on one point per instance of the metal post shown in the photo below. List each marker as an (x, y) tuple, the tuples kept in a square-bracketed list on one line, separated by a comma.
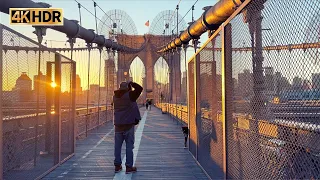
[(48, 108), (254, 23), (79, 6), (40, 32), (72, 111), (197, 97), (99, 93), (187, 99), (192, 13), (227, 88), (95, 15), (57, 110), (73, 106), (107, 84), (1, 120)]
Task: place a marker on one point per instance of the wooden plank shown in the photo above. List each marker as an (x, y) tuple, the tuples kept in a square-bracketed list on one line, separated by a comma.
[(161, 154)]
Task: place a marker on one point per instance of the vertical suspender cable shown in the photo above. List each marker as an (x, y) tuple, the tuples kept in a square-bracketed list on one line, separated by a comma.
[(100, 52), (177, 63), (71, 111), (39, 34), (28, 61), (88, 84), (18, 60)]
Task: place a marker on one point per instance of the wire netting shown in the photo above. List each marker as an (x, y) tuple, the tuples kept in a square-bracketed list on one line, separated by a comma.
[(210, 129), (191, 110), (275, 91), (29, 129)]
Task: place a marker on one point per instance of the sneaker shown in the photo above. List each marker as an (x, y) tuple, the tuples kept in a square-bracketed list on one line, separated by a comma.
[(117, 169), (131, 170)]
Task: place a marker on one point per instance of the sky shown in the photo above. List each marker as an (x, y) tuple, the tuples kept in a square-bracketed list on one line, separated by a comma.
[(297, 28), (140, 11)]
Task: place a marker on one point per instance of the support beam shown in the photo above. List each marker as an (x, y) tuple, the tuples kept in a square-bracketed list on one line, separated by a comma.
[(211, 19), (57, 111), (227, 96), (73, 106), (49, 98)]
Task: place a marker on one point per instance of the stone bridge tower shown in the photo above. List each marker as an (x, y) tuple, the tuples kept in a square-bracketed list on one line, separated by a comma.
[(149, 57)]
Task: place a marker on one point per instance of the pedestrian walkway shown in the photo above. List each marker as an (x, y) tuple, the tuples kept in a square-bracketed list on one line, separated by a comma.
[(158, 153)]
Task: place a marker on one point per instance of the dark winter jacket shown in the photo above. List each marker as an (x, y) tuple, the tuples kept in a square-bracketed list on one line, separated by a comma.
[(126, 110)]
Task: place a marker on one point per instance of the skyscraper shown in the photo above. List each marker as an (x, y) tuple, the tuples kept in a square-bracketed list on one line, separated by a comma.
[(40, 84), (78, 85), (23, 88), (269, 79), (245, 83), (23, 82), (109, 78)]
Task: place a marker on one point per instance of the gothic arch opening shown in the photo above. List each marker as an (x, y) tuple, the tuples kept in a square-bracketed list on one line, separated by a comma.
[(137, 73), (161, 80)]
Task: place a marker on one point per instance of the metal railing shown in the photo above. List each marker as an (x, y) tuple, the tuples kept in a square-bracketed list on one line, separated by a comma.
[(40, 117)]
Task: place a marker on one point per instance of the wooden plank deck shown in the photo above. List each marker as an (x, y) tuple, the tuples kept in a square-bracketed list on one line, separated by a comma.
[(159, 153)]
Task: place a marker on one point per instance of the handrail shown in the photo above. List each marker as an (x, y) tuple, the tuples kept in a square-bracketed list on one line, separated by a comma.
[(211, 19)]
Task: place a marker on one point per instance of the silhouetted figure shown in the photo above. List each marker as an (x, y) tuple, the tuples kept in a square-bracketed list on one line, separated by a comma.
[(185, 131), (149, 102), (126, 116), (147, 105)]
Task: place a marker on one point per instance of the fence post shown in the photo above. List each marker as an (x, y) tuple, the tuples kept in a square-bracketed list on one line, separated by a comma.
[(1, 120), (57, 112), (197, 97), (73, 106), (188, 104), (227, 88), (49, 95)]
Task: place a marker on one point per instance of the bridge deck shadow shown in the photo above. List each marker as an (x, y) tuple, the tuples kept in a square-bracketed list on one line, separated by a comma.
[(161, 154)]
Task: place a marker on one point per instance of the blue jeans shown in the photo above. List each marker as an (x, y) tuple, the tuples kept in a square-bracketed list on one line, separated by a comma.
[(119, 137)]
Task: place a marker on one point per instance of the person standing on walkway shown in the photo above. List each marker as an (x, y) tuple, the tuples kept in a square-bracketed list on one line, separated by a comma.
[(149, 102), (126, 116)]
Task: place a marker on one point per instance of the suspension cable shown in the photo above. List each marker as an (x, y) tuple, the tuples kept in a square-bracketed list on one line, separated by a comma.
[(103, 11), (88, 90), (99, 93), (191, 8), (174, 11), (80, 5)]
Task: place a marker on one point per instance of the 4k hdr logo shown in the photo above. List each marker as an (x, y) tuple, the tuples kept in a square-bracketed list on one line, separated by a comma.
[(36, 16)]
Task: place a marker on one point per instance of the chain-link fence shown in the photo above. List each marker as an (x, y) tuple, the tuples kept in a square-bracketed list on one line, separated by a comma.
[(209, 125), (95, 83), (257, 114), (32, 80)]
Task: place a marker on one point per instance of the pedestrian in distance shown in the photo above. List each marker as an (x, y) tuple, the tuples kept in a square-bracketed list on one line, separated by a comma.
[(126, 116), (149, 102), (147, 105)]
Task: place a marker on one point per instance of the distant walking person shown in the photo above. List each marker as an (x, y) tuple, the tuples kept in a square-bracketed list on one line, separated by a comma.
[(149, 102), (147, 105), (126, 116)]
